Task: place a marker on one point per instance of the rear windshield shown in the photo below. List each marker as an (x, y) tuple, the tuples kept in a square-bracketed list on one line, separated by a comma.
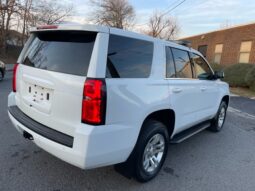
[(61, 51)]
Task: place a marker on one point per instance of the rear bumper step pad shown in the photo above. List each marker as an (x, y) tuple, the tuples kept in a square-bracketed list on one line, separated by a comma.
[(40, 129)]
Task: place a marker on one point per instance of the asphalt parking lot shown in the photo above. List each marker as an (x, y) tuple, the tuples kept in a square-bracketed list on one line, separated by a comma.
[(205, 162)]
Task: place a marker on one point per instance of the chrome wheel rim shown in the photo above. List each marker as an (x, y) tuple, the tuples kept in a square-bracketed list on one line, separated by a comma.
[(153, 153), (221, 117)]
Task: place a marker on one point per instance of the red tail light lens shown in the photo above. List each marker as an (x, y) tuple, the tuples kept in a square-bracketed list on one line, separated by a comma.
[(94, 102), (14, 78)]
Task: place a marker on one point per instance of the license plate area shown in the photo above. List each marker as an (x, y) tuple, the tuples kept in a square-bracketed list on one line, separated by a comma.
[(38, 97), (39, 94)]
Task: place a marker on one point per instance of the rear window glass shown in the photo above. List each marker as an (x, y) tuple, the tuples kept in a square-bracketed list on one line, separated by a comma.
[(129, 58), (61, 51), (170, 67)]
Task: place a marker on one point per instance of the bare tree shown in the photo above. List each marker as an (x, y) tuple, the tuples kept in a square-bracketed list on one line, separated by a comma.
[(226, 24), (114, 13), (163, 27), (42, 12), (8, 8), (23, 14), (50, 12)]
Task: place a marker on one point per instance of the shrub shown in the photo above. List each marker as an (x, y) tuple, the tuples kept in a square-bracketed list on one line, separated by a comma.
[(235, 74), (217, 67), (250, 78)]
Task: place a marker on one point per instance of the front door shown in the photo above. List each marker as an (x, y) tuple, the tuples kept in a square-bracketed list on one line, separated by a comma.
[(207, 86)]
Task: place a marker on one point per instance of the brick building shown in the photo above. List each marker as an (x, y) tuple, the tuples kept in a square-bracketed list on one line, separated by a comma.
[(227, 46)]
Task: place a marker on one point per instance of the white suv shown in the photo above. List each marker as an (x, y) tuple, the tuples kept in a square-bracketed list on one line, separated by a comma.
[(96, 96)]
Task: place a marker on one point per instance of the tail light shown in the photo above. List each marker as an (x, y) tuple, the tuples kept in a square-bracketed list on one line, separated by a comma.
[(14, 78), (94, 102)]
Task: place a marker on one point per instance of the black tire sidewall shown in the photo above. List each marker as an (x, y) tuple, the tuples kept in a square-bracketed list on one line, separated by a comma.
[(150, 128), (215, 126), (2, 75)]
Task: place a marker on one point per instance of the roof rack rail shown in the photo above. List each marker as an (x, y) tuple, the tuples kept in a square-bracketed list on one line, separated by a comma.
[(182, 42)]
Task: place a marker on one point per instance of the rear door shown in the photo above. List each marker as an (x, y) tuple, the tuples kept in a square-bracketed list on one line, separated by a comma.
[(51, 77)]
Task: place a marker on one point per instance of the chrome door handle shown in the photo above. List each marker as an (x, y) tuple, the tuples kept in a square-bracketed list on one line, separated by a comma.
[(177, 90)]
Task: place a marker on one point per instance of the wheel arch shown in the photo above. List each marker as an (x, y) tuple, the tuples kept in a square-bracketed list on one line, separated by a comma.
[(165, 116), (2, 74), (225, 99)]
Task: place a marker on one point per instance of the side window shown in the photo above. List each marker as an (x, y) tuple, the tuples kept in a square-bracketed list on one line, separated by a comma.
[(129, 58), (202, 69), (182, 63), (170, 68)]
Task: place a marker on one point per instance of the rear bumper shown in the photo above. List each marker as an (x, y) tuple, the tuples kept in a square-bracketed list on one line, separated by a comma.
[(39, 128), (92, 146)]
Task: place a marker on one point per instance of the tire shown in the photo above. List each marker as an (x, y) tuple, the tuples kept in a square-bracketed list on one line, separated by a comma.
[(1, 75), (218, 121), (154, 134)]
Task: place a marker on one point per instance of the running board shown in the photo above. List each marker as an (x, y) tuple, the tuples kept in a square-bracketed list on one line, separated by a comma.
[(189, 132)]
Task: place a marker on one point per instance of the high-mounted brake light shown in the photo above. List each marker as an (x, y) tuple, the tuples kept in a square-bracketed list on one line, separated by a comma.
[(14, 78), (47, 27), (94, 102)]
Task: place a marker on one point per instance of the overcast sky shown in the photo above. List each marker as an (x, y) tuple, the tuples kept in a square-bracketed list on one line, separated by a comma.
[(194, 16)]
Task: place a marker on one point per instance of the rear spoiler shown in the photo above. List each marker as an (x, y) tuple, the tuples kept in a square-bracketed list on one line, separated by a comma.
[(75, 27)]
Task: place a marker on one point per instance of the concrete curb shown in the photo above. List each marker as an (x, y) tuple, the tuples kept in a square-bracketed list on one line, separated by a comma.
[(234, 95)]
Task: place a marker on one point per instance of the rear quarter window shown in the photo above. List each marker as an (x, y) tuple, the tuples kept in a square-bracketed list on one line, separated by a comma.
[(61, 51), (129, 58), (170, 66)]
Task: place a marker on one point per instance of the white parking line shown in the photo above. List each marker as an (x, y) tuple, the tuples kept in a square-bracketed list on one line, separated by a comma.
[(241, 113)]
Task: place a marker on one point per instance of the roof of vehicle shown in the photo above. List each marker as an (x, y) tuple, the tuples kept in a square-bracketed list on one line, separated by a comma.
[(106, 29)]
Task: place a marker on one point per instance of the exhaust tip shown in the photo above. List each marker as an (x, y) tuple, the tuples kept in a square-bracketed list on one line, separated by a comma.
[(28, 136)]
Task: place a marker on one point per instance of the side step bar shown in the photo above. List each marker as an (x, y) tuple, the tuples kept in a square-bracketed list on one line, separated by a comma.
[(189, 132)]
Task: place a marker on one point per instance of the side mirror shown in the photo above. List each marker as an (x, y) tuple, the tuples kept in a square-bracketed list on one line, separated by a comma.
[(219, 74)]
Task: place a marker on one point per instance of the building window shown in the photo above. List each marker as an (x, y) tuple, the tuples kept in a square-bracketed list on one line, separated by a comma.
[(217, 53), (245, 50), (203, 50)]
